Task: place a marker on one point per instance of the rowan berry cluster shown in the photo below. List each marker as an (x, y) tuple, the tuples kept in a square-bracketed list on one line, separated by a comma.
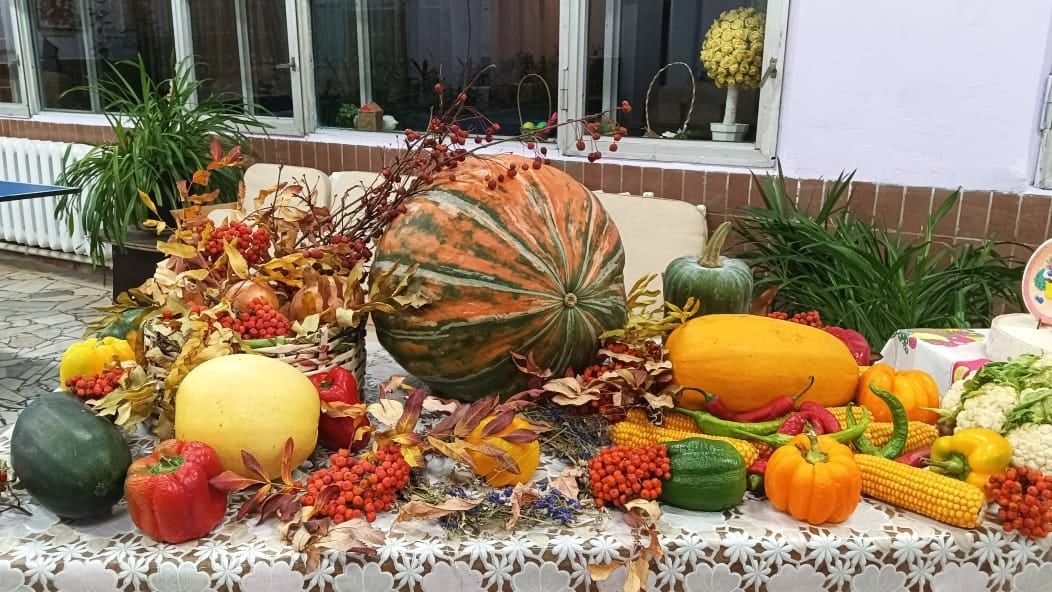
[(358, 487), (810, 318), (253, 245), (620, 474), (95, 386), (260, 321), (1024, 497)]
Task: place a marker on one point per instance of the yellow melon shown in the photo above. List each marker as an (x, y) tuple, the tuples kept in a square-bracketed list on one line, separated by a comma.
[(749, 360), (248, 402)]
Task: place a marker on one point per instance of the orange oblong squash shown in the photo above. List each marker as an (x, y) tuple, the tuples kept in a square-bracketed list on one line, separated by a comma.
[(749, 360)]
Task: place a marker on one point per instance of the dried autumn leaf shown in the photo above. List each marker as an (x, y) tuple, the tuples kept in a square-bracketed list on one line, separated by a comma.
[(522, 497), (476, 412), (286, 462), (521, 436), (202, 177), (420, 510), (414, 404), (231, 481), (504, 460), (157, 225), (177, 249), (434, 404), (254, 504), (386, 411), (601, 571), (253, 465), (203, 198), (337, 409), (638, 573), (148, 202), (659, 401), (236, 260), (566, 482), (499, 423), (351, 534)]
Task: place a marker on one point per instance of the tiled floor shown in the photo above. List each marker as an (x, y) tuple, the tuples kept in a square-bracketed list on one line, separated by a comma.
[(41, 313)]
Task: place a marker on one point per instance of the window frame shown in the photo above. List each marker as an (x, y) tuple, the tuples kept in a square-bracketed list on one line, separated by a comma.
[(573, 49), (1043, 174), (22, 107), (569, 95)]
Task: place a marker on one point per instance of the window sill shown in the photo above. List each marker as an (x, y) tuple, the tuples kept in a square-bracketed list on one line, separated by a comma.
[(667, 151)]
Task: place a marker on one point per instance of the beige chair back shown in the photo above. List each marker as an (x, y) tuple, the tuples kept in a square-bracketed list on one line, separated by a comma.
[(263, 175), (654, 231), (350, 185)]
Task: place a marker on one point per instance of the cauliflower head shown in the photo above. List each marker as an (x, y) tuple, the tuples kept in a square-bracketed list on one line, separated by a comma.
[(732, 51), (952, 398), (987, 408), (1032, 446)]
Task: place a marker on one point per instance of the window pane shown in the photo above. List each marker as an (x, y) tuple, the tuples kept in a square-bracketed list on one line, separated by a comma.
[(69, 55), (334, 28), (411, 41), (10, 92), (630, 40), (242, 52)]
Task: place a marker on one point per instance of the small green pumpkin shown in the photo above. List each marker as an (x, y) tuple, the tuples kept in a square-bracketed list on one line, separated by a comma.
[(720, 284)]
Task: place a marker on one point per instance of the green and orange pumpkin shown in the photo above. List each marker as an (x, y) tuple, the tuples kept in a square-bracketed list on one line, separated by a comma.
[(534, 265)]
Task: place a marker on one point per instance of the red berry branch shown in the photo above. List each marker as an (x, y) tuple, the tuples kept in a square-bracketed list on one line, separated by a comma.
[(434, 154)]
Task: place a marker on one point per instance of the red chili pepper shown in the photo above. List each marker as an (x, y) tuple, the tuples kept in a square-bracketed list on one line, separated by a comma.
[(915, 458), (339, 386), (168, 493), (759, 466), (793, 425), (772, 410), (820, 416)]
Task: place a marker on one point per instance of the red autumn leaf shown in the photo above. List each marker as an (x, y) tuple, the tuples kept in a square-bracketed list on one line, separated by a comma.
[(184, 189), (326, 495), (202, 177), (478, 411), (497, 425), (521, 436), (231, 481), (216, 150), (446, 424), (271, 505), (414, 404), (253, 465), (253, 504), (204, 197), (286, 462)]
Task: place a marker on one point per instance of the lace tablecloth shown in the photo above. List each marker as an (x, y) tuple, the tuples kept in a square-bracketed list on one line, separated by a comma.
[(753, 547)]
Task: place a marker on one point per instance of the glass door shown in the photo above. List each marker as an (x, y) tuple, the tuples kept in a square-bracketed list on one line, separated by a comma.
[(244, 55), (12, 89)]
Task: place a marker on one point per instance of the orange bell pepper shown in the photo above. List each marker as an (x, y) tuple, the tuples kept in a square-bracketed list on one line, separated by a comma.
[(915, 388)]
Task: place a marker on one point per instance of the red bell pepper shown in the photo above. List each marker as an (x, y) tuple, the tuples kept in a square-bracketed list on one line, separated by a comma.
[(339, 386), (168, 493)]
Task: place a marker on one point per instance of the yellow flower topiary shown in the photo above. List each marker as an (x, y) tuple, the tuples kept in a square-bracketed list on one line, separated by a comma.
[(732, 51)]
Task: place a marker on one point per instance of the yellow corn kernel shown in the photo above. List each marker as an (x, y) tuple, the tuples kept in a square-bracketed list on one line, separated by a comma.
[(936, 496), (680, 422), (630, 433), (921, 435)]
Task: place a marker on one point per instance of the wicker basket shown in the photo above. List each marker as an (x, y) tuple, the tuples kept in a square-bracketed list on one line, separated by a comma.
[(343, 347)]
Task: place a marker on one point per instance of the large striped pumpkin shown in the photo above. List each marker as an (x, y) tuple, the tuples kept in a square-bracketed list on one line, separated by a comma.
[(533, 266)]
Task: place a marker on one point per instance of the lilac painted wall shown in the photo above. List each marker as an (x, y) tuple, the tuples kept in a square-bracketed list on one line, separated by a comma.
[(935, 93)]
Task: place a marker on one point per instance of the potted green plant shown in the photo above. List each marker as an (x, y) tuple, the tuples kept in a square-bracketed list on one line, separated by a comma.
[(162, 132)]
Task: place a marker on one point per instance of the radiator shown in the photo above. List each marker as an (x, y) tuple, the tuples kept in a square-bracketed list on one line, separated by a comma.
[(32, 222)]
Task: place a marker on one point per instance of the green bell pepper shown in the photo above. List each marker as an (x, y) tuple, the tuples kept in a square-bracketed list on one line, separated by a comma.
[(706, 475)]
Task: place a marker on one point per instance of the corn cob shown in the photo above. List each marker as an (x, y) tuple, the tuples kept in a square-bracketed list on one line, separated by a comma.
[(630, 433), (682, 423), (936, 496), (921, 435)]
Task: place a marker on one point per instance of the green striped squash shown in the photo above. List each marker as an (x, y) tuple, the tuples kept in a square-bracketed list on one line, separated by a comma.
[(532, 266), (720, 284)]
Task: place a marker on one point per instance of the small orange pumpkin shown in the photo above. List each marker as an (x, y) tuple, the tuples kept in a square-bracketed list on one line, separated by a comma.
[(527, 456), (814, 479), (915, 388)]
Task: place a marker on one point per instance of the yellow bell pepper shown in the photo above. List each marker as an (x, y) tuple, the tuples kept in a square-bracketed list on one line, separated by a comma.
[(91, 356), (916, 389), (972, 455)]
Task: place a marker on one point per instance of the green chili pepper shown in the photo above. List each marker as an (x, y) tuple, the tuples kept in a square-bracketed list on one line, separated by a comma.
[(776, 440), (900, 430), (710, 424)]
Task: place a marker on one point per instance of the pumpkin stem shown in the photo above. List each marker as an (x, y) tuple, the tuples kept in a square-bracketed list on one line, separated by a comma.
[(710, 255), (814, 454)]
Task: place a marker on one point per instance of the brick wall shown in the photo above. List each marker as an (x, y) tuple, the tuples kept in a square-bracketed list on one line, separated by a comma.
[(979, 214)]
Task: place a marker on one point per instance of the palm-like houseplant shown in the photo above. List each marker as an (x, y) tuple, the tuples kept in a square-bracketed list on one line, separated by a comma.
[(858, 274), (162, 133)]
